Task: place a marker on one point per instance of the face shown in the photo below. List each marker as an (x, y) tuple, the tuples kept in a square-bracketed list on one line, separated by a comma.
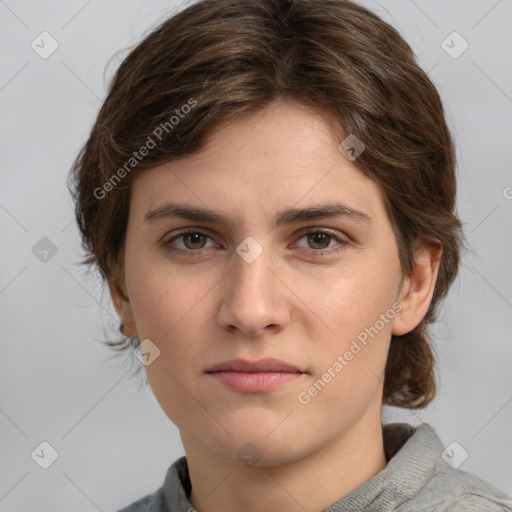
[(254, 283)]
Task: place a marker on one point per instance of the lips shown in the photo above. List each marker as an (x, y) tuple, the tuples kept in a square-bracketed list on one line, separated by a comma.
[(262, 365), (260, 376)]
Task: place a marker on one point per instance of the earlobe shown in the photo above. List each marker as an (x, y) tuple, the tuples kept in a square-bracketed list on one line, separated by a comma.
[(124, 309), (418, 288)]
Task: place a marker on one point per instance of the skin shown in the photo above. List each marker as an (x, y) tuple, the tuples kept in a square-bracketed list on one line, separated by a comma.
[(290, 303)]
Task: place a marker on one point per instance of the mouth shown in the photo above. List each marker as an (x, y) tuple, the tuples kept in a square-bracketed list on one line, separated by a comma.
[(254, 376)]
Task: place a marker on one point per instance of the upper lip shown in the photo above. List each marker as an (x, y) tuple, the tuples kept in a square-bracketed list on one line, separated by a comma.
[(261, 365)]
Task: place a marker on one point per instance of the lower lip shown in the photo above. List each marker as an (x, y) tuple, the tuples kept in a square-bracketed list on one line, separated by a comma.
[(254, 381)]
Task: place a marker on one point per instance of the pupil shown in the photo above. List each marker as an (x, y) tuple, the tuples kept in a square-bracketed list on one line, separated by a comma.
[(195, 238), (318, 238)]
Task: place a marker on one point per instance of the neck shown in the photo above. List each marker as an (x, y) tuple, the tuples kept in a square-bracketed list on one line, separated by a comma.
[(312, 483)]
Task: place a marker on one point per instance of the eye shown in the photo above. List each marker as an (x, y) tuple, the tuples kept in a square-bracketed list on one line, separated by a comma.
[(320, 240), (193, 242)]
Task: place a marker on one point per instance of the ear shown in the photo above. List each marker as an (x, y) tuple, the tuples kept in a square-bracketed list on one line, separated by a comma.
[(123, 308), (418, 288)]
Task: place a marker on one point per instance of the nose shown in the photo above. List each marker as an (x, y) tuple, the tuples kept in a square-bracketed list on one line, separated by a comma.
[(254, 299)]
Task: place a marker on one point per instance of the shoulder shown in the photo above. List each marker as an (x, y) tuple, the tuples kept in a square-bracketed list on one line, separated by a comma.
[(469, 502), (149, 503), (456, 490), (426, 482), (459, 491)]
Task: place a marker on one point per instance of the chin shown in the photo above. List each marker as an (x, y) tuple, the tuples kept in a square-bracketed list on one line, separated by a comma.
[(259, 443)]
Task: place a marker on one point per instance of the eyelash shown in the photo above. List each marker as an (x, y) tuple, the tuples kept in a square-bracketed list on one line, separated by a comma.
[(197, 252)]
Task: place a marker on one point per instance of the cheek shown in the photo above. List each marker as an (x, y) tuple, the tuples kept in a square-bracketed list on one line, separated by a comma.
[(162, 298), (345, 304), (169, 309), (353, 318)]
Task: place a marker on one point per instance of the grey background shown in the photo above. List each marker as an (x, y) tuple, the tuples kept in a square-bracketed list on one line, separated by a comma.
[(57, 381)]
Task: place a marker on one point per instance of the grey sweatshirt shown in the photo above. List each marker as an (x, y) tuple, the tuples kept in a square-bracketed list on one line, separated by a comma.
[(416, 479)]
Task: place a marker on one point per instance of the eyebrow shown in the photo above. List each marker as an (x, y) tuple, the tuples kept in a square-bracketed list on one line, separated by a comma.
[(288, 216)]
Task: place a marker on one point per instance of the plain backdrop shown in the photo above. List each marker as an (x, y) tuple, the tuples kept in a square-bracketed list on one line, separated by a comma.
[(59, 384)]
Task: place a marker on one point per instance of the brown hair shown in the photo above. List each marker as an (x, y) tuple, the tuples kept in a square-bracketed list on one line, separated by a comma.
[(226, 58)]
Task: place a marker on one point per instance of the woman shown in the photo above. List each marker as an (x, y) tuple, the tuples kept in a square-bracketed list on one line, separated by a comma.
[(269, 191)]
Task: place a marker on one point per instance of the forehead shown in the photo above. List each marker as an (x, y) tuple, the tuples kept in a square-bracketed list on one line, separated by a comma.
[(281, 157)]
